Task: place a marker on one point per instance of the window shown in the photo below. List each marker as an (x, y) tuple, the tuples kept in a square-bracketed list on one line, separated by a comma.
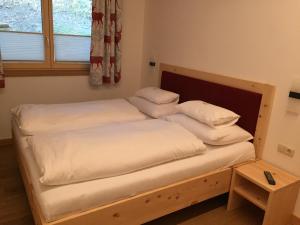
[(45, 34), (21, 36)]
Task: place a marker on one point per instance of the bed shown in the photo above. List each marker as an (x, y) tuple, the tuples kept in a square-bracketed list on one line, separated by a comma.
[(166, 188)]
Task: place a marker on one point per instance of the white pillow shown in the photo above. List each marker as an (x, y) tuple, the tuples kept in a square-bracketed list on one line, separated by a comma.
[(212, 136), (157, 95), (212, 115), (151, 109)]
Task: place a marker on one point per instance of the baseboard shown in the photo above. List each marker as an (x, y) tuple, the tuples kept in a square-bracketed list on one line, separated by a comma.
[(4, 142), (295, 220)]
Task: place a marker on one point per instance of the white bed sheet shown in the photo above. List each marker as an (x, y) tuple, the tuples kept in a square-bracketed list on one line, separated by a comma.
[(55, 202)]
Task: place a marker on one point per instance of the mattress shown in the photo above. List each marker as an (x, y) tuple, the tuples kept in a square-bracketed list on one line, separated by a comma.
[(55, 202)]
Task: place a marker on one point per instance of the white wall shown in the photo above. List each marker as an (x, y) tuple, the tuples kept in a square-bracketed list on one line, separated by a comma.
[(71, 89), (249, 39)]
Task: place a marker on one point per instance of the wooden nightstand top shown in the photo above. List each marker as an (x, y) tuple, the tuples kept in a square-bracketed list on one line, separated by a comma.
[(255, 173)]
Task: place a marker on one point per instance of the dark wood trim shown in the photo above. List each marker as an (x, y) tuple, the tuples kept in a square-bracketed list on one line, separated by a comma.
[(46, 72), (7, 141), (295, 220)]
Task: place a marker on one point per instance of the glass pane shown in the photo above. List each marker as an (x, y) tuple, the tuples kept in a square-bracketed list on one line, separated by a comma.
[(21, 30), (72, 17), (72, 48), (22, 46), (72, 29), (21, 15)]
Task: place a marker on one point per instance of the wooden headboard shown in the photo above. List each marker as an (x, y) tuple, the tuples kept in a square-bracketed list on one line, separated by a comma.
[(252, 100)]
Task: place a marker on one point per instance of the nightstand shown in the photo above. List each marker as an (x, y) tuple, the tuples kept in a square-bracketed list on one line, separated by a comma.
[(278, 201)]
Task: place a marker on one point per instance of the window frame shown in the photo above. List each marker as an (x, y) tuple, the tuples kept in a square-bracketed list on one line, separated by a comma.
[(49, 66)]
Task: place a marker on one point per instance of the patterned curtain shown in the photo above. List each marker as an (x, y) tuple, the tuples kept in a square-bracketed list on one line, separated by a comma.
[(105, 55), (2, 81)]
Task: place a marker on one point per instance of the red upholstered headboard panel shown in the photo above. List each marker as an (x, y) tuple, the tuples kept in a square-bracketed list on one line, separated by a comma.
[(242, 102)]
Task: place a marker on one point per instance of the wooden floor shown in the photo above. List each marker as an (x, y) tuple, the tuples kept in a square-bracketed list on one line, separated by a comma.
[(14, 209)]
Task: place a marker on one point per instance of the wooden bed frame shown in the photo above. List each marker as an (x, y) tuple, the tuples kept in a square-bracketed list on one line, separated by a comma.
[(162, 201)]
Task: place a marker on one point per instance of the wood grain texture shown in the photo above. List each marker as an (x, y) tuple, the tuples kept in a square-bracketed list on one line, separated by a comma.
[(46, 72), (154, 204), (212, 212), (255, 173), (235, 201), (281, 205)]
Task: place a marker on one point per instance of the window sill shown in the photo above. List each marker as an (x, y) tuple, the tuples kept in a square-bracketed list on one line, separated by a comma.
[(46, 72)]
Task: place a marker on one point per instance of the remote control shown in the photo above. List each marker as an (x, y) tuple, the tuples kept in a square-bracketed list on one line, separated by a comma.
[(270, 178)]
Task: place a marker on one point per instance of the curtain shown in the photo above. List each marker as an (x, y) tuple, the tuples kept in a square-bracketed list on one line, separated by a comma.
[(105, 57), (2, 81)]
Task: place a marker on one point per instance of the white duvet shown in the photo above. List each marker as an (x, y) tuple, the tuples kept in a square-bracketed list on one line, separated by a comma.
[(36, 118), (110, 150)]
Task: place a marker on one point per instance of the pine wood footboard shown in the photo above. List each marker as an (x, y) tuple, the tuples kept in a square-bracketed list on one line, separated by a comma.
[(154, 204), (140, 208)]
